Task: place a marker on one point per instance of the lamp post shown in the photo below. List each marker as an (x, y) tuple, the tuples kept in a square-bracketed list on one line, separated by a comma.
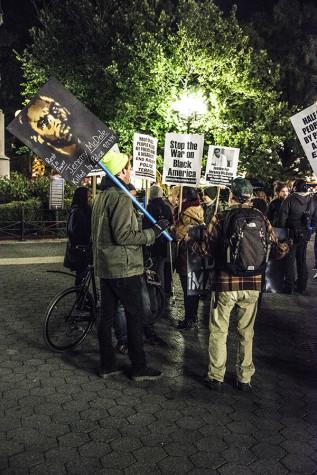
[(1, 15)]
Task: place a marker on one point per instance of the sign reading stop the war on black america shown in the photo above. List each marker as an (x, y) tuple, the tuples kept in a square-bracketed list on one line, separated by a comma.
[(305, 125), (182, 159)]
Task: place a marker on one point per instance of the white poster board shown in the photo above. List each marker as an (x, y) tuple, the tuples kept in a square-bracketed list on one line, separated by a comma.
[(56, 196), (144, 156), (182, 159), (222, 164), (305, 125)]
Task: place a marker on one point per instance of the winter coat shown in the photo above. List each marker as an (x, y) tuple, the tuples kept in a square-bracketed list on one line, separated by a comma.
[(292, 215), (78, 233), (193, 215), (117, 234), (158, 209), (273, 211)]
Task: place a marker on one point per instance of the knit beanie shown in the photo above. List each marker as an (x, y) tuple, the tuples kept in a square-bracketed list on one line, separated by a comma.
[(155, 192), (114, 161)]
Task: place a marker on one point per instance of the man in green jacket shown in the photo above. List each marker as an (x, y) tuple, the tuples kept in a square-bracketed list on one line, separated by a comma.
[(117, 239)]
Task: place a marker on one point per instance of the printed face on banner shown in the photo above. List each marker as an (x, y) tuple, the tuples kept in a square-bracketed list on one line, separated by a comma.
[(144, 156), (305, 125), (222, 164), (60, 130), (182, 159)]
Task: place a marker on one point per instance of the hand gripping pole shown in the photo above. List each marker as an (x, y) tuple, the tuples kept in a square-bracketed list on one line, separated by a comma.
[(133, 199)]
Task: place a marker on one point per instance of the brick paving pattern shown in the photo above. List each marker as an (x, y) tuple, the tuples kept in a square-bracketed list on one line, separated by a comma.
[(57, 417)]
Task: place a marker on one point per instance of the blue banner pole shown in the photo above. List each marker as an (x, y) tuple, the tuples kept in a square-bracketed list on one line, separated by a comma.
[(133, 199)]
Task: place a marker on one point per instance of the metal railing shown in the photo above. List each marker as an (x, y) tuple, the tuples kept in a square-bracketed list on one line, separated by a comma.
[(34, 224)]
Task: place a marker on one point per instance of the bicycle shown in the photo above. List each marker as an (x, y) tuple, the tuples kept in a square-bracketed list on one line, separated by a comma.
[(72, 313)]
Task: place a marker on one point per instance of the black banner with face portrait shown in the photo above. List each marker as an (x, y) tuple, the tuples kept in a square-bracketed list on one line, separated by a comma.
[(63, 132)]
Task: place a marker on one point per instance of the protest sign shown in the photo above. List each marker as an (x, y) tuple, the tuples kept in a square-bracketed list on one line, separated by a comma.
[(222, 164), (144, 156), (200, 274), (61, 131), (305, 125), (182, 159)]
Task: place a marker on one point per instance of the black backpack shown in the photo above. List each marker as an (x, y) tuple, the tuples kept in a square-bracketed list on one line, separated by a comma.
[(246, 245)]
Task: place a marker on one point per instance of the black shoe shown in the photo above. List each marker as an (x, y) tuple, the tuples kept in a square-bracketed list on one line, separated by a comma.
[(145, 374), (187, 324), (105, 373), (213, 384), (244, 387)]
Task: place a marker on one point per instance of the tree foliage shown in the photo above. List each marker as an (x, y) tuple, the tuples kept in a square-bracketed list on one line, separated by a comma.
[(128, 61)]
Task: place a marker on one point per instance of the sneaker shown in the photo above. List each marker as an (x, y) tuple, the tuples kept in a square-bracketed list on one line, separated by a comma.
[(145, 374), (121, 348), (105, 373), (315, 276), (213, 384), (315, 267), (244, 387)]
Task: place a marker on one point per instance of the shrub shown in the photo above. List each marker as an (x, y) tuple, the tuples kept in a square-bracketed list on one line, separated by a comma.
[(13, 211)]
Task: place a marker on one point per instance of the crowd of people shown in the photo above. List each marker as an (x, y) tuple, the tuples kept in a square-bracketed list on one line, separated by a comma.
[(239, 235)]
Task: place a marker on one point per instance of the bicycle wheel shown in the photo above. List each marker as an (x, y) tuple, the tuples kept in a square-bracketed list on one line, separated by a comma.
[(68, 319)]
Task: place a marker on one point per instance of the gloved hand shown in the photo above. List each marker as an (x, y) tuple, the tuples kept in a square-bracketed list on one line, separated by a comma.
[(160, 226)]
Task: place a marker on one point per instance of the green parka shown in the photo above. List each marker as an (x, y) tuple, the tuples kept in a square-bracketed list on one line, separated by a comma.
[(117, 235)]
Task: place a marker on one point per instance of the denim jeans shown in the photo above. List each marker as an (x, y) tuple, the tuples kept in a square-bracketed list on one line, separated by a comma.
[(129, 291)]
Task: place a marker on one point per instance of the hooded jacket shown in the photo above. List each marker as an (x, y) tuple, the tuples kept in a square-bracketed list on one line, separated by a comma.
[(117, 235), (293, 209)]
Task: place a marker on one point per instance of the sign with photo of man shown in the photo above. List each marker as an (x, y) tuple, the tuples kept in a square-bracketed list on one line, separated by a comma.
[(182, 159), (222, 164), (305, 125), (144, 156), (62, 132)]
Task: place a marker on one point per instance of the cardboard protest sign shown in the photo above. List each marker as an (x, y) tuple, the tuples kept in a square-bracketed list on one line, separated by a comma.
[(144, 156), (200, 273), (222, 164), (182, 159), (305, 125), (60, 130)]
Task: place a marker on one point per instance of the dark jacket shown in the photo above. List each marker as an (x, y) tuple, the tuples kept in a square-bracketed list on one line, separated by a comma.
[(159, 209), (117, 236), (273, 211), (292, 215), (78, 233), (209, 211)]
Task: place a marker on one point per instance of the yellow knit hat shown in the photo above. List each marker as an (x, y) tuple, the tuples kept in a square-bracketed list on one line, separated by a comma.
[(114, 161)]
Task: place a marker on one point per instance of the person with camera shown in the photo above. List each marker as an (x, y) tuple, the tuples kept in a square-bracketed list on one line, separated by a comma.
[(298, 214), (117, 238)]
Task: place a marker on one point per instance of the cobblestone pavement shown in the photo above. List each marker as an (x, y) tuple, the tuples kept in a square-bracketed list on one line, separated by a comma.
[(57, 417)]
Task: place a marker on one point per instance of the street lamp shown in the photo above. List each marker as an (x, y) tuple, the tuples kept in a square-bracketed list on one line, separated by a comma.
[(189, 106), (1, 15)]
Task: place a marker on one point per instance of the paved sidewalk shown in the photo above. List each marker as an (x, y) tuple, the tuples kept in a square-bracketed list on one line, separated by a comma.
[(57, 417)]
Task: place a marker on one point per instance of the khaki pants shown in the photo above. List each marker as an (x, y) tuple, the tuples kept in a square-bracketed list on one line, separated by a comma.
[(246, 302)]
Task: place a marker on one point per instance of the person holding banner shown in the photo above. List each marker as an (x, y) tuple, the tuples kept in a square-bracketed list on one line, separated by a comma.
[(117, 238), (192, 214)]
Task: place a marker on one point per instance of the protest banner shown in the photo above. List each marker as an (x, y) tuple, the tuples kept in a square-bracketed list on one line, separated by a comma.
[(144, 156), (62, 132), (222, 164), (200, 274), (305, 125), (182, 159)]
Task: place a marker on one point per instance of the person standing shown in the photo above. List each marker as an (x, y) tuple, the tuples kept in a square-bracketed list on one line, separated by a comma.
[(298, 215), (77, 255), (239, 239), (192, 214), (281, 191), (117, 238)]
